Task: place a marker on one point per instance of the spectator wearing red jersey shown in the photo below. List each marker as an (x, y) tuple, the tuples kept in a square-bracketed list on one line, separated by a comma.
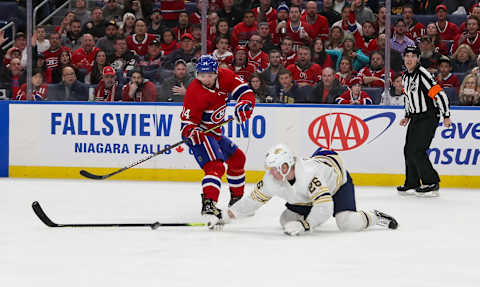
[(348, 23), (256, 56), (317, 22), (243, 30), (197, 38), (289, 56), (183, 26), (108, 89), (240, 64), (300, 32), (355, 95), (139, 41), (282, 15), (51, 55), (83, 57), (304, 72), (475, 11), (369, 35), (212, 21), (139, 89), (171, 10), (265, 12), (434, 34), (445, 78), (448, 30), (415, 29), (39, 88), (320, 56), (374, 75), (471, 36), (222, 54), (169, 43), (345, 72), (54, 75)]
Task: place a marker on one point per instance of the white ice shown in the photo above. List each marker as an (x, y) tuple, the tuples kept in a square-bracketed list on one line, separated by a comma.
[(437, 243)]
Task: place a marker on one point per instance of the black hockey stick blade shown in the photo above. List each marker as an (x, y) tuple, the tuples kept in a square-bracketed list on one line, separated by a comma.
[(91, 175), (47, 221), (101, 177)]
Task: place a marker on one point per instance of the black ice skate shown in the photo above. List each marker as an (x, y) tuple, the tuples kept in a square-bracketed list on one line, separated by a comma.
[(234, 199), (385, 220), (209, 208), (406, 190), (429, 190)]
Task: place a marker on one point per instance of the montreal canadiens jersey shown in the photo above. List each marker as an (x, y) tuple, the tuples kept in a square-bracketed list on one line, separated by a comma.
[(317, 179), (205, 108)]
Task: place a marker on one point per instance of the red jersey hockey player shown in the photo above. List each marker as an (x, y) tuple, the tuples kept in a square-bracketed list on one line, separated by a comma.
[(304, 72), (354, 95), (204, 107)]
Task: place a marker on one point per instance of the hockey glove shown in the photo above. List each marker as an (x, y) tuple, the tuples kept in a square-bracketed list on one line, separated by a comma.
[(197, 136), (294, 228), (243, 111)]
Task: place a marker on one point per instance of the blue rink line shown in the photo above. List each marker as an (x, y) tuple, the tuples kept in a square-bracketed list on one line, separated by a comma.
[(336, 106), (4, 138)]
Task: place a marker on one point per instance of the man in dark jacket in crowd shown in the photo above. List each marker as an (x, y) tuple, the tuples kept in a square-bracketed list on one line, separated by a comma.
[(326, 90)]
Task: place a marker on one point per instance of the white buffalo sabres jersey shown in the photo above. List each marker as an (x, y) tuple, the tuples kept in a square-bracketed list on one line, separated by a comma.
[(317, 179)]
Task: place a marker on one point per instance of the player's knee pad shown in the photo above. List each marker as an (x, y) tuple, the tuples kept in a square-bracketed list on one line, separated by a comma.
[(216, 168), (288, 215), (350, 221), (237, 160)]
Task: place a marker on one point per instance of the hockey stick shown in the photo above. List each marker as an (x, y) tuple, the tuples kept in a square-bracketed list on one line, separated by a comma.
[(100, 177), (47, 221)]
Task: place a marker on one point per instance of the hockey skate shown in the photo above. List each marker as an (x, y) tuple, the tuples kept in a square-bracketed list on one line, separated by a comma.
[(234, 199), (429, 190), (212, 214), (385, 220), (406, 190)]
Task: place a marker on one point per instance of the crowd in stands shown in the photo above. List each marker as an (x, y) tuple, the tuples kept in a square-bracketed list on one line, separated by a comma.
[(322, 52)]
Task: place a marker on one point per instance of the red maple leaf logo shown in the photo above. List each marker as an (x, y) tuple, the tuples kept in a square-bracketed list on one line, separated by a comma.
[(179, 149)]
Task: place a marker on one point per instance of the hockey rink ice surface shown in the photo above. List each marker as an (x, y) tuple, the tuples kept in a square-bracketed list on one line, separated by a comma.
[(437, 243)]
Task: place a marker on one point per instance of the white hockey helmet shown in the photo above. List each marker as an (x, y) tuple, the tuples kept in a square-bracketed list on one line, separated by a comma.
[(277, 156)]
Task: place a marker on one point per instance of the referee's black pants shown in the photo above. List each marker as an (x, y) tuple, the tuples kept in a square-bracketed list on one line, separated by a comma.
[(420, 132)]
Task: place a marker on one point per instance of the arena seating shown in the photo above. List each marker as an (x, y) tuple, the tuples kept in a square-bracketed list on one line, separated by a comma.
[(452, 95)]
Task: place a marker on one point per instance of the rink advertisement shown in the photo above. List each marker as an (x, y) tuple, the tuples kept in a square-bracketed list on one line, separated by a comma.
[(60, 139)]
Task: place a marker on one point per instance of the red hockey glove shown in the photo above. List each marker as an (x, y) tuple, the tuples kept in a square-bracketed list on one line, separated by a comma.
[(243, 111), (197, 136)]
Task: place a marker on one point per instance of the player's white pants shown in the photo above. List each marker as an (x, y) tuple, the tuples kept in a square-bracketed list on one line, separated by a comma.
[(346, 220)]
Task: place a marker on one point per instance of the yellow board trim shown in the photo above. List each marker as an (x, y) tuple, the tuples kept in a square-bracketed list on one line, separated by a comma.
[(369, 179)]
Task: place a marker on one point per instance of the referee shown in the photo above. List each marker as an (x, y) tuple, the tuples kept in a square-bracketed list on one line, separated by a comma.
[(424, 101)]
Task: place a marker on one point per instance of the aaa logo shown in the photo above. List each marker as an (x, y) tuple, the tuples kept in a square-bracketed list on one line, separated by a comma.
[(342, 131)]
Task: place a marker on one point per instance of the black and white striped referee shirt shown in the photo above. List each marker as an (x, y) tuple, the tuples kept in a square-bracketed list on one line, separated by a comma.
[(423, 94)]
